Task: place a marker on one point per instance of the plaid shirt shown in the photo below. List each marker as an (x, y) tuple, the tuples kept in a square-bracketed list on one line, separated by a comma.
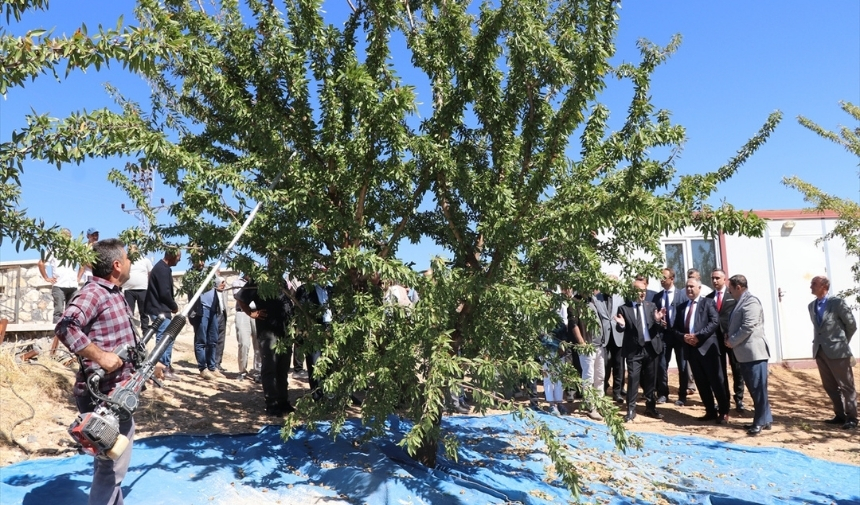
[(98, 314)]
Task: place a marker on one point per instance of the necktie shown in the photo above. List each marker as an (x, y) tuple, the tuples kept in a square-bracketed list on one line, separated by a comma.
[(819, 311), (640, 315), (719, 300), (690, 315), (667, 306)]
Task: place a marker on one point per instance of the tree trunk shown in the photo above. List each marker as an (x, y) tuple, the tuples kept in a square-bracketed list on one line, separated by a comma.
[(426, 453)]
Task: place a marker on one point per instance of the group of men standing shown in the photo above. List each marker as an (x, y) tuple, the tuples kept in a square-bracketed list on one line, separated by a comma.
[(705, 333), (709, 335)]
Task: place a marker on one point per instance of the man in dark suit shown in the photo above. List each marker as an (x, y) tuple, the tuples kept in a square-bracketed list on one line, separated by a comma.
[(670, 298), (725, 303), (696, 325), (641, 323), (834, 326)]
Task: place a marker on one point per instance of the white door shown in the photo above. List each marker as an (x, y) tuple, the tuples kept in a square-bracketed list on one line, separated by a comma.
[(796, 260)]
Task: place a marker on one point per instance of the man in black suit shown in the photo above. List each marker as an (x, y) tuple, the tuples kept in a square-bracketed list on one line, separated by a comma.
[(669, 298), (641, 323), (725, 303), (696, 325)]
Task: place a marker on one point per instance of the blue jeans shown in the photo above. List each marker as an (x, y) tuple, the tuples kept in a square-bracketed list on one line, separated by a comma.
[(165, 358), (205, 339)]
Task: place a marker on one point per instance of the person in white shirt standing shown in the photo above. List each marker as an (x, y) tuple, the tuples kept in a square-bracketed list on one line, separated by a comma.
[(246, 335), (63, 279), (85, 273), (135, 287)]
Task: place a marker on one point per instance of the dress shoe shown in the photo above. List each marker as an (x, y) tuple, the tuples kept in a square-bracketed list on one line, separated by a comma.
[(653, 413), (280, 410), (711, 416), (751, 426), (740, 407), (624, 393), (460, 409), (680, 403), (618, 399), (755, 429), (722, 419), (836, 420), (661, 400), (631, 415), (850, 425)]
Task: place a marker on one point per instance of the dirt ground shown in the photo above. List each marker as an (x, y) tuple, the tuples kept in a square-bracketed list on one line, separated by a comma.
[(196, 406)]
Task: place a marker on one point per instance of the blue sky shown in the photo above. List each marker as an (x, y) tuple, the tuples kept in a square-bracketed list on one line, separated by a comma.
[(738, 62)]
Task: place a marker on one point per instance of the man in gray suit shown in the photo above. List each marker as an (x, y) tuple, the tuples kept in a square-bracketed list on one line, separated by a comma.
[(834, 326), (746, 336), (606, 307)]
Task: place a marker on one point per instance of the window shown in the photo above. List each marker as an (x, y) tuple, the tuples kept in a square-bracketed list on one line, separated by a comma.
[(704, 259), (697, 253), (675, 261)]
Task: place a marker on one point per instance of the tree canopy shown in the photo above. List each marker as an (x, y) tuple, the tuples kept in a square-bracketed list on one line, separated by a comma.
[(848, 225), (511, 166)]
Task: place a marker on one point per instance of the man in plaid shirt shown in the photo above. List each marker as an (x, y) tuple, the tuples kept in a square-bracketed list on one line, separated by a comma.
[(95, 323)]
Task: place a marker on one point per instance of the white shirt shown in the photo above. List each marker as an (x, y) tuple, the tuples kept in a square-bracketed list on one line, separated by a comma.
[(67, 275), (668, 298), (397, 294), (139, 274), (724, 292), (88, 270), (640, 313)]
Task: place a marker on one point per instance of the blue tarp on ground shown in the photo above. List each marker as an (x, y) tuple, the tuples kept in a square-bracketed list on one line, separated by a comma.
[(500, 461)]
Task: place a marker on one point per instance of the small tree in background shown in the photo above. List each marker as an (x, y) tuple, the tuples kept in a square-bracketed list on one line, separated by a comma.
[(848, 225), (26, 58), (512, 167)]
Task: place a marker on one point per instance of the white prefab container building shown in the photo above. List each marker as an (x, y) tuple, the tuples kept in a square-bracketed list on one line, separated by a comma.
[(779, 267)]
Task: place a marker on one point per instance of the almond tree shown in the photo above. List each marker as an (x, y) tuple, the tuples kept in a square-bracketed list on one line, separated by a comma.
[(510, 165), (848, 225)]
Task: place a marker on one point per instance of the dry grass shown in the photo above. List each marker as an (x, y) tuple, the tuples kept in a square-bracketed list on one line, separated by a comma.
[(34, 403)]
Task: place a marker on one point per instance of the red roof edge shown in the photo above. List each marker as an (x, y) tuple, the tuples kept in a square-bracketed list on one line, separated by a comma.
[(795, 214)]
